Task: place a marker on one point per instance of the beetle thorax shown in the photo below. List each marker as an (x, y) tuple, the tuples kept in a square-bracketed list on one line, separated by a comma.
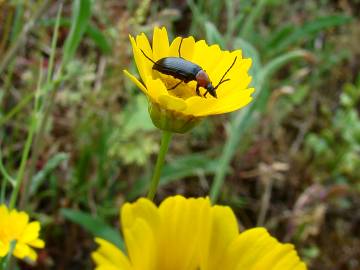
[(202, 79)]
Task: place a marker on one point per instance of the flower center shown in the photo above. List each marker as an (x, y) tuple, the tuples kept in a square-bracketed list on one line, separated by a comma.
[(175, 88)]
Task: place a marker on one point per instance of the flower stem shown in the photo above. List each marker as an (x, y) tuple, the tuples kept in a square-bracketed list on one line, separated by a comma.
[(165, 141)]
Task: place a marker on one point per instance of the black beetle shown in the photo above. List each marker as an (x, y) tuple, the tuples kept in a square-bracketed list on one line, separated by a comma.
[(187, 71)]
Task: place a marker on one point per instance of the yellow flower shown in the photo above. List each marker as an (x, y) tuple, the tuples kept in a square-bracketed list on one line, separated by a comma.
[(190, 234), (181, 108), (15, 226)]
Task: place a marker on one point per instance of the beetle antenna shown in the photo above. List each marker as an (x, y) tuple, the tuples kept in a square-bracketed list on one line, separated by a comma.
[(180, 46), (148, 57), (221, 80)]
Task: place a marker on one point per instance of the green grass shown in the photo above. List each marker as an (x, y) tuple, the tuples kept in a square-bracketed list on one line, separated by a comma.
[(76, 136)]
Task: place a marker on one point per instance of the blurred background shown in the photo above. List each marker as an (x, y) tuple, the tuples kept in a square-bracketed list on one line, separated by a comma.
[(81, 135)]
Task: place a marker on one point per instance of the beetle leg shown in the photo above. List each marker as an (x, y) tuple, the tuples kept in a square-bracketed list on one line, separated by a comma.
[(180, 47), (176, 85), (206, 93), (198, 90)]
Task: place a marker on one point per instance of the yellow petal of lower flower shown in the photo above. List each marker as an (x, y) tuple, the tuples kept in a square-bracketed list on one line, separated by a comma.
[(192, 234), (141, 245), (143, 44), (183, 217), (143, 209), (160, 43), (253, 246), (224, 230), (110, 256), (172, 103)]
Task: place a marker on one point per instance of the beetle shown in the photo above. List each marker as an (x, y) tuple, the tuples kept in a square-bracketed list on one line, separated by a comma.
[(187, 71)]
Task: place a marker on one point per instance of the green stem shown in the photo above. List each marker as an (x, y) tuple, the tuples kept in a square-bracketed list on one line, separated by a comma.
[(165, 141), (24, 159), (5, 263), (250, 20)]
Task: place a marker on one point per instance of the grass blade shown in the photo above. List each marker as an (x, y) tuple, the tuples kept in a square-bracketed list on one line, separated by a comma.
[(290, 35), (94, 225), (79, 22), (244, 119)]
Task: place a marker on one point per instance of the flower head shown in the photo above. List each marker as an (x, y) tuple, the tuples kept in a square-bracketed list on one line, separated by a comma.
[(175, 105), (190, 234), (15, 226)]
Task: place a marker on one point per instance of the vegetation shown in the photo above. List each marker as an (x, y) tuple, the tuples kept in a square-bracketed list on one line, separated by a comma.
[(77, 141)]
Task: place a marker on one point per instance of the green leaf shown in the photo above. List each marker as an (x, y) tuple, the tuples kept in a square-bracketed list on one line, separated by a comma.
[(289, 34), (94, 33), (212, 34), (79, 22), (94, 225), (40, 177), (249, 51), (99, 38), (186, 166)]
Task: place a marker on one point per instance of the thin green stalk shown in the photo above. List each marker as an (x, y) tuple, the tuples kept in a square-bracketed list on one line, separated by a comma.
[(49, 86), (165, 141), (4, 173), (2, 192), (24, 159), (244, 119), (28, 143), (16, 109), (5, 263), (249, 22)]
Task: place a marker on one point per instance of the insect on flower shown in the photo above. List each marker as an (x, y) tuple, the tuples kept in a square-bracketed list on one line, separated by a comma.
[(187, 71), (176, 75)]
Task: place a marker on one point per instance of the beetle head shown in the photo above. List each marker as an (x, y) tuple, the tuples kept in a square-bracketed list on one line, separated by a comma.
[(211, 90), (203, 81)]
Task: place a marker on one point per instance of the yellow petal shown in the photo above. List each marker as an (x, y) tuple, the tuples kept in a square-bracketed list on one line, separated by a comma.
[(140, 60), (230, 103), (4, 248), (207, 57), (31, 232), (17, 223), (156, 88), (21, 250), (37, 243), (136, 81), (160, 44), (184, 232), (141, 245), (143, 44), (224, 230), (108, 256), (172, 103), (186, 50), (141, 209), (255, 245)]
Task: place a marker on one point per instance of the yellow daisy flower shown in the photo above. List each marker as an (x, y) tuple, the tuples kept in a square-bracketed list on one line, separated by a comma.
[(190, 234), (176, 106), (15, 226)]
